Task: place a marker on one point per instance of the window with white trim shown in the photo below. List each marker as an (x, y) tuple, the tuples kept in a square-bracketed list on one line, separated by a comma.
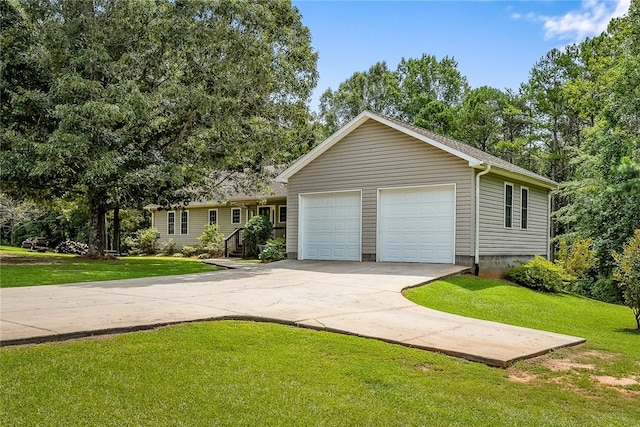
[(236, 217), (213, 216), (184, 222), (171, 223), (508, 205), (282, 214), (524, 208)]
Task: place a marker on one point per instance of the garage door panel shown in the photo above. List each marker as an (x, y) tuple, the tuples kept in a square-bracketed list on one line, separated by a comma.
[(417, 224), (331, 226)]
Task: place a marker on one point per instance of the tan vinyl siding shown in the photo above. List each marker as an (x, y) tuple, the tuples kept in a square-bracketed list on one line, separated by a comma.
[(495, 239), (376, 156), (198, 219)]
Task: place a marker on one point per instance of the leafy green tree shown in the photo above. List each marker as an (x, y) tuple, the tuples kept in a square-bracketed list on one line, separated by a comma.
[(256, 232), (424, 80), (605, 191), (480, 118), (627, 273), (128, 102), (375, 89)]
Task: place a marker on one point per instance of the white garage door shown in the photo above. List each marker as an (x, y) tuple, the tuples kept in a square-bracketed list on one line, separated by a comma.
[(330, 226), (417, 224)]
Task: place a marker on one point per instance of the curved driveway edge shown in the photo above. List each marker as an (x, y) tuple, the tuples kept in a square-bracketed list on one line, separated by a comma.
[(362, 299)]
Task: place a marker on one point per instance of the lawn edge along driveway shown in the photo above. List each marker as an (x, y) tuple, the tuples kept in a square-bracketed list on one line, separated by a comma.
[(363, 299)]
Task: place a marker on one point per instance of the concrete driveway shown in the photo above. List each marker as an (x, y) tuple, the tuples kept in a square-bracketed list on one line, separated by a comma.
[(356, 298)]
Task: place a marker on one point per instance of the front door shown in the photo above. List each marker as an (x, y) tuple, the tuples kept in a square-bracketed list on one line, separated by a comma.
[(265, 211)]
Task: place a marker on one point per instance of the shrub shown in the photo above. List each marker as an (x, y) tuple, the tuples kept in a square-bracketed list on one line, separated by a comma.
[(581, 258), (178, 255), (275, 250), (190, 251), (212, 241), (144, 241), (257, 231), (168, 247), (627, 273), (606, 289), (539, 273)]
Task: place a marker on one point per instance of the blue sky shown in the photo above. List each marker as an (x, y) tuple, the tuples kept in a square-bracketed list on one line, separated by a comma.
[(496, 43)]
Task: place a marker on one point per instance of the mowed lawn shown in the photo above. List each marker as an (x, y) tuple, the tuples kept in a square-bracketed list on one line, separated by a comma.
[(20, 267), (243, 373)]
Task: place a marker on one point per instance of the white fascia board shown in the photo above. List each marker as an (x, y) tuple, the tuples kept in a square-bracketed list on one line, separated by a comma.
[(323, 146)]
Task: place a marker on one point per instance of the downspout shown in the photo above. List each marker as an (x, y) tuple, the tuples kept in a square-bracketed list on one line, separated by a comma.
[(477, 239)]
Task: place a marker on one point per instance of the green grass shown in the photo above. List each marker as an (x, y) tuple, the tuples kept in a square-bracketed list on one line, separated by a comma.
[(20, 267), (241, 373), (257, 374), (608, 328)]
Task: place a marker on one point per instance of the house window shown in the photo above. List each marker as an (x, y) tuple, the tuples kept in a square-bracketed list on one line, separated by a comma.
[(235, 216), (508, 205), (184, 222), (171, 223), (213, 216), (282, 214), (524, 208)]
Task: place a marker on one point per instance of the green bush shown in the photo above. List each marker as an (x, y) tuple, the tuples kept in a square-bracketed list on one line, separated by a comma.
[(144, 241), (539, 274), (168, 247), (627, 273), (275, 250), (212, 241), (581, 258), (190, 251), (606, 289), (256, 232)]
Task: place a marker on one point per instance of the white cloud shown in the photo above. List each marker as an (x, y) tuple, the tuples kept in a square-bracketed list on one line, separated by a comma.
[(591, 19)]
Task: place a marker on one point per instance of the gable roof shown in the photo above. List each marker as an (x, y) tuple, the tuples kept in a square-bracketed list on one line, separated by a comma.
[(475, 157)]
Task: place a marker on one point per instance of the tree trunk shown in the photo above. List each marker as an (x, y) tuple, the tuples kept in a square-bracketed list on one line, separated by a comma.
[(116, 230), (97, 226)]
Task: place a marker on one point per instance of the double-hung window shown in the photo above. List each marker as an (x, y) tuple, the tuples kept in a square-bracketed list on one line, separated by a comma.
[(213, 216), (524, 208), (171, 223), (235, 216), (184, 222), (508, 205), (282, 214)]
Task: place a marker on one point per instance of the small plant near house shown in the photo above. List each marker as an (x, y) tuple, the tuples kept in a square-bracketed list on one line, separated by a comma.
[(627, 273), (168, 248), (212, 241), (275, 250), (144, 242), (190, 251), (539, 274), (256, 232)]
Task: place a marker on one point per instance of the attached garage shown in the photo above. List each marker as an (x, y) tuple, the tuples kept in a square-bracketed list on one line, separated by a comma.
[(417, 224), (330, 226)]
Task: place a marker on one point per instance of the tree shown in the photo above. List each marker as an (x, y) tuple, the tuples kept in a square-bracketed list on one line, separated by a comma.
[(605, 191), (627, 273), (479, 118), (375, 89), (134, 102), (424, 80)]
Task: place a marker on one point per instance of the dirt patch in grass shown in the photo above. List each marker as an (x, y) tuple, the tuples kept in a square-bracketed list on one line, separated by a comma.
[(522, 377), (567, 367), (615, 382), (559, 365)]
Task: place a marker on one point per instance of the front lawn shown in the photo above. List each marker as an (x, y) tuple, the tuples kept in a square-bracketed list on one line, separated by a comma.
[(612, 349), (20, 267), (242, 373)]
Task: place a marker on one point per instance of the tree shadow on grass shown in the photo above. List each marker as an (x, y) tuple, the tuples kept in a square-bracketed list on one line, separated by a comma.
[(629, 331)]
